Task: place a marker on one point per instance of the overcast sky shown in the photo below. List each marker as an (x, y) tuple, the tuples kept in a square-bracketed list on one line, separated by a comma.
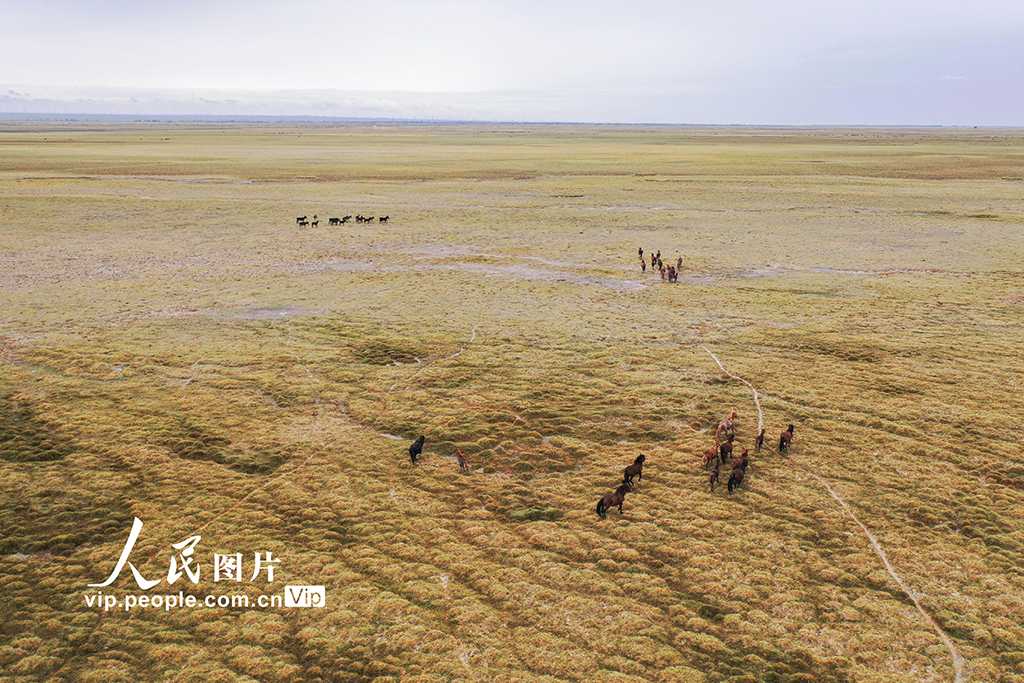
[(870, 62)]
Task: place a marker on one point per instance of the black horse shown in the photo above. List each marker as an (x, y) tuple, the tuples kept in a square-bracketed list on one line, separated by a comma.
[(416, 449), (612, 500), (634, 470)]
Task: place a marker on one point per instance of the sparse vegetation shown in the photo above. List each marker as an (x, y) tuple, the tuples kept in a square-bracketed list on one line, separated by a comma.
[(173, 347)]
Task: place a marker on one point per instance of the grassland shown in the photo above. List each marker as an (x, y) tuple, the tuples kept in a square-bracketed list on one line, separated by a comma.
[(174, 348)]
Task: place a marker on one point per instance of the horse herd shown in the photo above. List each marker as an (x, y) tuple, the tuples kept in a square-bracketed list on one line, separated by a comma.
[(302, 221), (668, 271), (718, 454)]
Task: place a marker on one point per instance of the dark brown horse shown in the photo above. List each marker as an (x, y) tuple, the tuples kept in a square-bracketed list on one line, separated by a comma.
[(735, 478), (713, 479), (758, 442), (742, 461), (785, 439), (634, 470), (725, 450), (463, 463), (612, 500)]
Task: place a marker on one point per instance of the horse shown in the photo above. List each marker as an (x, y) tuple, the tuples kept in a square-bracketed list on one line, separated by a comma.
[(611, 500), (315, 223), (735, 478), (710, 455), (634, 470), (416, 449), (725, 450), (713, 479), (742, 461), (643, 265), (784, 439), (758, 442), (345, 219), (300, 219), (728, 424), (303, 224), (333, 221), (368, 220), (463, 463), (383, 219), (640, 253)]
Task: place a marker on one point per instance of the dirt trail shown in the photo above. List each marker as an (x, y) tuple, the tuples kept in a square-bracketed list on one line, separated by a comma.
[(958, 660)]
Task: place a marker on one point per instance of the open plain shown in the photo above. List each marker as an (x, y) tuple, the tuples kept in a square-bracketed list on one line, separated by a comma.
[(174, 347)]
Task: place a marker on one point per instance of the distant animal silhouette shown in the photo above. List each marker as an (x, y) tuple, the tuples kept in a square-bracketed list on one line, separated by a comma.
[(785, 439), (333, 221), (384, 219), (416, 449), (634, 470), (612, 500), (758, 442), (713, 479), (315, 223), (345, 219), (736, 478), (303, 224), (300, 219), (463, 463)]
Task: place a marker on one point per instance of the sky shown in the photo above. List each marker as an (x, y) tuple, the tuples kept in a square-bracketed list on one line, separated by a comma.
[(757, 62)]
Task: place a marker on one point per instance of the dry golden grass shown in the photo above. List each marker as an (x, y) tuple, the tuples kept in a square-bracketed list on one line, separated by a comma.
[(175, 348)]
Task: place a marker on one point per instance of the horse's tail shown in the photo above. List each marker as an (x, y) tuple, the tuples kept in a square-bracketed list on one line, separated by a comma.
[(601, 508), (732, 483)]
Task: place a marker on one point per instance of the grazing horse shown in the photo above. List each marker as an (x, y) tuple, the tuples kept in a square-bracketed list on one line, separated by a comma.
[(735, 478), (345, 219), (758, 442), (416, 449), (383, 219), (727, 425), (710, 455), (713, 479), (300, 219), (303, 224), (463, 463), (784, 439), (333, 221), (725, 450), (612, 500), (634, 470)]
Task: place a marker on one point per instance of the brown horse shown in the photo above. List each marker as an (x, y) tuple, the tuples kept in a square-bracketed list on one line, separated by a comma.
[(785, 439), (725, 450), (713, 479), (758, 442), (710, 455), (463, 463), (735, 478), (612, 500), (742, 461), (634, 470)]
